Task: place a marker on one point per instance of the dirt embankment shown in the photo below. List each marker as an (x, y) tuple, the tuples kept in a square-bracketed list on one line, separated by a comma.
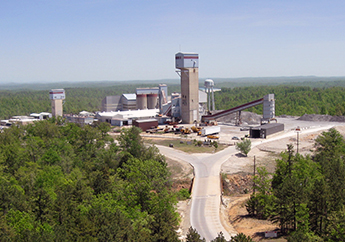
[(238, 188), (237, 184)]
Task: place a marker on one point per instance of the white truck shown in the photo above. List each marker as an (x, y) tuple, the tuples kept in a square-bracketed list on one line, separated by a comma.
[(210, 130)]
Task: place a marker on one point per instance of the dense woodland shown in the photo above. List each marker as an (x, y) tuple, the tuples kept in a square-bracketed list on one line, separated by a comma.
[(72, 183), (63, 182), (290, 100), (24, 102), (293, 99), (306, 194)]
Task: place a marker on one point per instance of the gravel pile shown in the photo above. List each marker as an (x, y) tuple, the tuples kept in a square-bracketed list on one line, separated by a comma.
[(322, 118), (247, 117)]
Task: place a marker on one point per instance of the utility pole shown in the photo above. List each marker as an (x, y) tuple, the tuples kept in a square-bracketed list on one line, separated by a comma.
[(254, 176), (298, 130)]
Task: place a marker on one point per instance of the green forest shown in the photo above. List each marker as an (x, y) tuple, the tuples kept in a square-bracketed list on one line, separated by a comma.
[(306, 194), (72, 183), (64, 182), (292, 99), (289, 100), (24, 102)]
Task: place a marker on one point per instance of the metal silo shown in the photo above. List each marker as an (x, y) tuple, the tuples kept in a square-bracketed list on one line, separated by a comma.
[(152, 100), (141, 101)]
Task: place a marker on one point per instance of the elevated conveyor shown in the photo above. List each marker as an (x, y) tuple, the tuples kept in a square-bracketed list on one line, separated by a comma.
[(269, 106)]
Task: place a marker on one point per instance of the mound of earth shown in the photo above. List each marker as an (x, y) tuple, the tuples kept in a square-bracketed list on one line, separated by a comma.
[(321, 118), (246, 117)]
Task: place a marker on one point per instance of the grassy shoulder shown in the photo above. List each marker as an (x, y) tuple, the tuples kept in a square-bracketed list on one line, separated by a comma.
[(187, 145)]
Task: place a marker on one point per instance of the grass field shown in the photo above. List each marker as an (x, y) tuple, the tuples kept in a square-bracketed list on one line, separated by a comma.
[(186, 145)]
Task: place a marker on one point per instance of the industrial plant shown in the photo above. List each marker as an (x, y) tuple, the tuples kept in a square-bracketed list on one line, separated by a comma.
[(153, 106), (193, 105)]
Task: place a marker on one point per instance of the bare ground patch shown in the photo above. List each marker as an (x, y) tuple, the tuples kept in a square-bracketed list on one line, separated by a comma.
[(249, 226)]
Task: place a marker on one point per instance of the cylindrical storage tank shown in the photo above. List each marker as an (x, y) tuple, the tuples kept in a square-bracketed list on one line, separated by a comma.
[(141, 101), (152, 101), (209, 83)]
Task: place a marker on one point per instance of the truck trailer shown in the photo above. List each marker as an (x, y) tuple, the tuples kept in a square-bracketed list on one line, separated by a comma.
[(210, 130)]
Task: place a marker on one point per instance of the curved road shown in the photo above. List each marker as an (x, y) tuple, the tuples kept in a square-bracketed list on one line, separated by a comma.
[(204, 215)]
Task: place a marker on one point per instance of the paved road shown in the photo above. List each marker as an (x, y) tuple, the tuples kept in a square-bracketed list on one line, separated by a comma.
[(204, 215)]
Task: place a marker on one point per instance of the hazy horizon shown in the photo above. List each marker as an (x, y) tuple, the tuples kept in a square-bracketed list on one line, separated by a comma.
[(178, 79)]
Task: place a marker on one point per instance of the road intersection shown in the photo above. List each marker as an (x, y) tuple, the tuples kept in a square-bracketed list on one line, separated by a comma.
[(206, 193)]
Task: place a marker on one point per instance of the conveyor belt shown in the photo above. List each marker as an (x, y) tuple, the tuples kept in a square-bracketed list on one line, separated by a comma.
[(232, 110)]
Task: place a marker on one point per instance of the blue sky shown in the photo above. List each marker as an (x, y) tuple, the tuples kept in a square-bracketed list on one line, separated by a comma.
[(92, 40)]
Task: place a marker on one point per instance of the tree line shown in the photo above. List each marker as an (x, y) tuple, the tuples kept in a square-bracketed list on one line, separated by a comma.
[(306, 194), (290, 99), (64, 182), (24, 102)]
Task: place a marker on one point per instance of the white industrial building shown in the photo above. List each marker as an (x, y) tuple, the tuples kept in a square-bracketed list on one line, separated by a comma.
[(82, 118), (26, 119), (41, 116), (121, 118)]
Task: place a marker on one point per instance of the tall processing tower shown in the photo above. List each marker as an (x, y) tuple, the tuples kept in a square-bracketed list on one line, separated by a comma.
[(57, 96), (188, 65)]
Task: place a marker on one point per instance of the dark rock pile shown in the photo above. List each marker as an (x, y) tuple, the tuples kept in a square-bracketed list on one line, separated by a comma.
[(246, 117), (321, 118)]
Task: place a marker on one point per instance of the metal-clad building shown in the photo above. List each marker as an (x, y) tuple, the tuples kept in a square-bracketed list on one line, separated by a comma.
[(111, 103), (145, 124), (57, 94), (268, 107), (129, 101), (186, 60), (41, 116), (125, 117), (163, 96), (263, 131)]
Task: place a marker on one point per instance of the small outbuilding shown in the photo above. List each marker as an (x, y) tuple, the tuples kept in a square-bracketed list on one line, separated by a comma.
[(145, 124), (263, 131)]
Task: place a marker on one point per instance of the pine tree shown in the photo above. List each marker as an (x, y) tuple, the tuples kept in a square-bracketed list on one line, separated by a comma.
[(193, 236)]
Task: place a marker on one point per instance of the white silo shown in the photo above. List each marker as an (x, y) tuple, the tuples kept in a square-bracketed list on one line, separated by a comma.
[(209, 84)]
